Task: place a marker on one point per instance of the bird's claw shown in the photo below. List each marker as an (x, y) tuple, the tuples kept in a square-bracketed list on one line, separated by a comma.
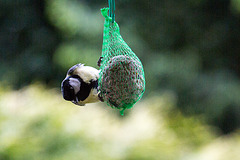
[(99, 61), (100, 98)]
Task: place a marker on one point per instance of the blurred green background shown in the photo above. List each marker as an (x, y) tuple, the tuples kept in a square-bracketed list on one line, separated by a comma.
[(190, 50)]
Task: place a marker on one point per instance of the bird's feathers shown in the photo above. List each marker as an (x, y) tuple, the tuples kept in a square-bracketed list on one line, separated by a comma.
[(84, 81), (87, 73)]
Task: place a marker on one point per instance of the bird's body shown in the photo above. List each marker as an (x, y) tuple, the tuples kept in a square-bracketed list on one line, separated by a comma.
[(81, 85)]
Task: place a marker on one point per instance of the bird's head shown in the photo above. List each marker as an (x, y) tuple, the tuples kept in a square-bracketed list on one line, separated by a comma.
[(70, 87)]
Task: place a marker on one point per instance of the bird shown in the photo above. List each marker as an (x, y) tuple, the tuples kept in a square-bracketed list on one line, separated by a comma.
[(80, 85)]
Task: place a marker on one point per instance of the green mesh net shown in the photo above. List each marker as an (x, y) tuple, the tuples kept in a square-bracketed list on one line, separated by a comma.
[(122, 80)]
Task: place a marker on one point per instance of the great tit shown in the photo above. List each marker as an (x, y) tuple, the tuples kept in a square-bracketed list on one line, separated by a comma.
[(81, 85)]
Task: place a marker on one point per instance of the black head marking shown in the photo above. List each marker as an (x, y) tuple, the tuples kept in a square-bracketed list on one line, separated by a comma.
[(67, 90), (85, 89)]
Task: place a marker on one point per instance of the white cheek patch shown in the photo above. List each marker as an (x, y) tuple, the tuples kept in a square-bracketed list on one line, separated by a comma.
[(75, 84)]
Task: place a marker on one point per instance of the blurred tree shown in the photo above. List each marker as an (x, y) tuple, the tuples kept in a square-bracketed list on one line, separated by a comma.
[(189, 47), (27, 41)]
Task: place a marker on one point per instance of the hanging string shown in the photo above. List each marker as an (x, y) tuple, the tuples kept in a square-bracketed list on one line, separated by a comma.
[(111, 4)]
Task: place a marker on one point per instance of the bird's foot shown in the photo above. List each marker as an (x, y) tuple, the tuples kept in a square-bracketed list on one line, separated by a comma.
[(100, 98), (99, 61)]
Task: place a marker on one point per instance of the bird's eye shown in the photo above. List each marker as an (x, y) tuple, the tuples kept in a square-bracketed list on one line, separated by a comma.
[(71, 87)]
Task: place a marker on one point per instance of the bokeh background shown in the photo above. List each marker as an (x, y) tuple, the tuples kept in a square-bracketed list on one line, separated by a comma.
[(190, 50)]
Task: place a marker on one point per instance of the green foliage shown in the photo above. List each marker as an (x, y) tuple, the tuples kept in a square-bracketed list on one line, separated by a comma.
[(68, 54), (235, 4), (188, 47), (38, 124), (76, 19)]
